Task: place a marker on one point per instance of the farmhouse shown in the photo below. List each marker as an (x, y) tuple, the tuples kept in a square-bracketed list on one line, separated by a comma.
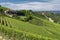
[(10, 13)]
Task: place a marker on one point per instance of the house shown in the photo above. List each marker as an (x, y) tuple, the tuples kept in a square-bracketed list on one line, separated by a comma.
[(10, 13)]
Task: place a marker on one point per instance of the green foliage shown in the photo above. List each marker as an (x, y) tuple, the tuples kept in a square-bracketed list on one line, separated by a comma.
[(0, 5), (37, 27), (22, 31), (20, 35), (1, 10), (25, 13), (20, 13), (47, 29)]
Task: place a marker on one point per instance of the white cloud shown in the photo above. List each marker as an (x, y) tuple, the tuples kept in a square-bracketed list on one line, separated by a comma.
[(53, 5), (55, 1)]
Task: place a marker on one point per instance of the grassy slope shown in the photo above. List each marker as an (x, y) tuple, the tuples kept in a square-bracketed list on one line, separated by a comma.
[(50, 30)]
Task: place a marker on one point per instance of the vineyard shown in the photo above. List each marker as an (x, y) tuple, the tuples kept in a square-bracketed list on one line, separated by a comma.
[(27, 26), (17, 30), (10, 31)]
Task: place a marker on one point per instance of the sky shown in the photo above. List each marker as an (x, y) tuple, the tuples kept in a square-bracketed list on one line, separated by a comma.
[(37, 5)]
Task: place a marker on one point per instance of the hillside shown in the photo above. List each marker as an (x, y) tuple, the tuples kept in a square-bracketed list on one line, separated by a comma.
[(37, 28)]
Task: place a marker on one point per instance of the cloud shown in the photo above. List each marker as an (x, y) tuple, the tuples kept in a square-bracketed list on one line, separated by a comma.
[(53, 5), (55, 1)]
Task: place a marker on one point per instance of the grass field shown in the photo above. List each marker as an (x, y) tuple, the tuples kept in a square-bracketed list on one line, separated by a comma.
[(47, 31), (28, 25)]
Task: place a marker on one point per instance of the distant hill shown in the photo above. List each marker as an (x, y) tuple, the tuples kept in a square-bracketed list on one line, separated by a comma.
[(49, 11), (56, 12)]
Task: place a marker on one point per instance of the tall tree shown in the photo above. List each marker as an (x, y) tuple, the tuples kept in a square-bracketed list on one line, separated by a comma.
[(0, 5)]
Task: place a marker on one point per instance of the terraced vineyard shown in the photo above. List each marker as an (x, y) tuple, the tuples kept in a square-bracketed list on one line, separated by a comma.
[(10, 31), (28, 25), (19, 30)]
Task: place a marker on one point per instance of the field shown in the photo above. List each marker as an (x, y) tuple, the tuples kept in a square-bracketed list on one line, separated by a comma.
[(49, 31), (28, 25)]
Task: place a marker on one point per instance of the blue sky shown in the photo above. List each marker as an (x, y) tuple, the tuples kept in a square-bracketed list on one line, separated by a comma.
[(39, 5), (22, 1)]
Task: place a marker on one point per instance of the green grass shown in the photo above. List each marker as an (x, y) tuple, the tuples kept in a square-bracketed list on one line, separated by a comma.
[(46, 30), (49, 29), (39, 28)]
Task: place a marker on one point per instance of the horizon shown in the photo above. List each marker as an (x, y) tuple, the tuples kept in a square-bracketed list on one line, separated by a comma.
[(35, 5)]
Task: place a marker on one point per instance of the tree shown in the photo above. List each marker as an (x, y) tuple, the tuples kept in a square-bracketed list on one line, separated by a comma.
[(1, 10), (0, 5), (20, 13)]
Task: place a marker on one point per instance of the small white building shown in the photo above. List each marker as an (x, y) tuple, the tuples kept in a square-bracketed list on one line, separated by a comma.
[(6, 11)]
